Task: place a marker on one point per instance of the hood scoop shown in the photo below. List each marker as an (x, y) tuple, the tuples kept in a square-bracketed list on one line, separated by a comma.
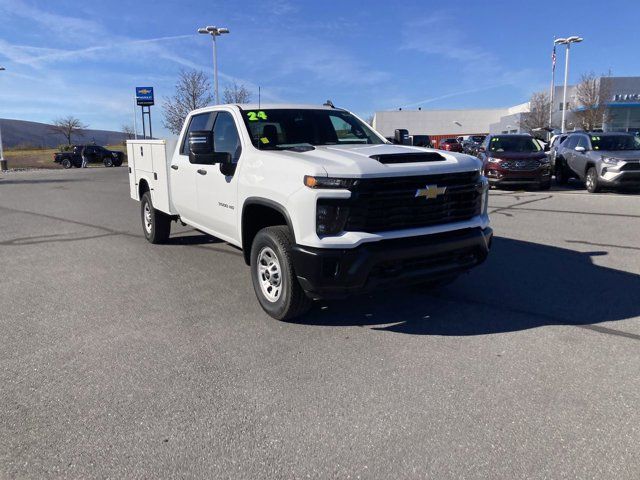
[(416, 157)]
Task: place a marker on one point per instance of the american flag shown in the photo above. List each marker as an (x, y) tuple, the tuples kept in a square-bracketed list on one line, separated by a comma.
[(553, 58)]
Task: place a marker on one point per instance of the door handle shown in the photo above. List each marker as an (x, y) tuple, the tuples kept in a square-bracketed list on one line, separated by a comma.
[(202, 171), (175, 167)]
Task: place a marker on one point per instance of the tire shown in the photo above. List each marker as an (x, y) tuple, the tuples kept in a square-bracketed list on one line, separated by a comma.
[(156, 225), (591, 180), (118, 162), (66, 163), (562, 176), (274, 280), (108, 162)]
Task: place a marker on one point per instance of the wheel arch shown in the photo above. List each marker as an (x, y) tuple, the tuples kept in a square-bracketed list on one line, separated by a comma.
[(259, 213), (143, 187)]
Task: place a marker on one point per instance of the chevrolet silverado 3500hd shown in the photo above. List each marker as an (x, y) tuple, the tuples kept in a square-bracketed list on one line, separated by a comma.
[(321, 205)]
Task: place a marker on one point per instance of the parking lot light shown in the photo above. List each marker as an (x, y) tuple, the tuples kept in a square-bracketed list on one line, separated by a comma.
[(214, 32), (566, 41)]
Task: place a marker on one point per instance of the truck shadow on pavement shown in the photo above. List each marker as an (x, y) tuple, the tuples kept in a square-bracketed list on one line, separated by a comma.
[(522, 285)]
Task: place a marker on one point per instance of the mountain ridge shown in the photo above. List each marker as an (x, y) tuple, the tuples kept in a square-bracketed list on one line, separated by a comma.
[(40, 135)]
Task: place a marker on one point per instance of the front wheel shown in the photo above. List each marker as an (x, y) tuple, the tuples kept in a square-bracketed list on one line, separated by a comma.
[(155, 224), (274, 280), (592, 182), (108, 162)]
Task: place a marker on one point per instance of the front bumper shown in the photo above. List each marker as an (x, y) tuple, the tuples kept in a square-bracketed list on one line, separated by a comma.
[(498, 176), (335, 273), (621, 176)]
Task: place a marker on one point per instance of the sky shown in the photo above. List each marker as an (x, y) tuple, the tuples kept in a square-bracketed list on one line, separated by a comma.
[(84, 58)]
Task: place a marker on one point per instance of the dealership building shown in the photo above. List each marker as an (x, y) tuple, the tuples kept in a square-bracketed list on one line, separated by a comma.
[(621, 94)]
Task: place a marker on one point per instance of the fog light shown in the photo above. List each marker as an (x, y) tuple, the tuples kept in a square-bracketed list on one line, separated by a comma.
[(330, 219)]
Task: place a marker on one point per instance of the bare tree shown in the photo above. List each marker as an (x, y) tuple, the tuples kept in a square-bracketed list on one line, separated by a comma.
[(591, 96), (129, 131), (68, 127), (235, 93), (538, 115), (192, 91), (369, 120)]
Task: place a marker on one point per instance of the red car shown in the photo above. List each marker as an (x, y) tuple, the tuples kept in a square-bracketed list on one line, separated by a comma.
[(450, 145), (515, 160)]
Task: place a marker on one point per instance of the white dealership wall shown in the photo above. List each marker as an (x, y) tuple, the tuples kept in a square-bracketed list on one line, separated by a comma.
[(442, 122), (622, 99)]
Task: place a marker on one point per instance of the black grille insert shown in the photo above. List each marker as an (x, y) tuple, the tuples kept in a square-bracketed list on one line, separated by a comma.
[(384, 204), (416, 157)]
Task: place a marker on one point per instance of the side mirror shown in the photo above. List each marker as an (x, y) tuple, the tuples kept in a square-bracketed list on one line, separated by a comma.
[(201, 147), (580, 149)]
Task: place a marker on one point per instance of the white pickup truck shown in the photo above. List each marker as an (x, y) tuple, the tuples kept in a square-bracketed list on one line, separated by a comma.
[(321, 205)]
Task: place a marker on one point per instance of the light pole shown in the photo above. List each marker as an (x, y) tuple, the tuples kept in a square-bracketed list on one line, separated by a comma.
[(214, 32), (552, 94), (3, 162), (566, 41)]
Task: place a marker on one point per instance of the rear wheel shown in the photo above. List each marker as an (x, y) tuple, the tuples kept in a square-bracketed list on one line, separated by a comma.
[(66, 163), (274, 280), (156, 225), (592, 182), (108, 162)]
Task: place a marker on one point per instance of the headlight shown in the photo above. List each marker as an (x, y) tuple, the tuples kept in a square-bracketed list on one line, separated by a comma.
[(485, 196), (330, 218), (611, 160), (494, 160), (328, 182)]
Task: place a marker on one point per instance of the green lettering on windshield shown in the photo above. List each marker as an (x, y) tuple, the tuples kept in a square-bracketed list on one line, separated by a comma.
[(256, 116)]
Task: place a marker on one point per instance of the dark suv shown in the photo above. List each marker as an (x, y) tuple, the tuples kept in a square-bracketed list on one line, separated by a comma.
[(515, 159), (600, 160)]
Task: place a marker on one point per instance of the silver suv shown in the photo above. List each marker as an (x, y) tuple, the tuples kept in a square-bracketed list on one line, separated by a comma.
[(600, 160)]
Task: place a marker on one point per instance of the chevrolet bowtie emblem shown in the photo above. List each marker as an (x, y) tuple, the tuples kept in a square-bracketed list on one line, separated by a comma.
[(431, 191)]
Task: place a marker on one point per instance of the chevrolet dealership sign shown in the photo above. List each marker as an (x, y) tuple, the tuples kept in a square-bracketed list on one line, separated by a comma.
[(144, 96)]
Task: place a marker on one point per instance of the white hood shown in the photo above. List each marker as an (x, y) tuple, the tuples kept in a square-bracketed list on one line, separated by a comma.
[(355, 161)]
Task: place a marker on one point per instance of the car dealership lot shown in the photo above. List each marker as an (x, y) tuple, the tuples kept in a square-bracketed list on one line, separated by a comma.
[(121, 358)]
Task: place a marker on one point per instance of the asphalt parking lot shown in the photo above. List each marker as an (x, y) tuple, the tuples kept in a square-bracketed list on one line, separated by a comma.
[(123, 359)]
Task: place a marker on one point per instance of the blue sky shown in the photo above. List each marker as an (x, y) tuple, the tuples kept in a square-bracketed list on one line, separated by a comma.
[(85, 57)]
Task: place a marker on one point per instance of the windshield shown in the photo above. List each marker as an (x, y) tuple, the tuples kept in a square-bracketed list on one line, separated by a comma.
[(514, 144), (477, 138), (615, 142), (280, 129)]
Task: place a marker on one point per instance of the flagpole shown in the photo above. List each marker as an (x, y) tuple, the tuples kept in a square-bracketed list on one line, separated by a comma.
[(553, 82)]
